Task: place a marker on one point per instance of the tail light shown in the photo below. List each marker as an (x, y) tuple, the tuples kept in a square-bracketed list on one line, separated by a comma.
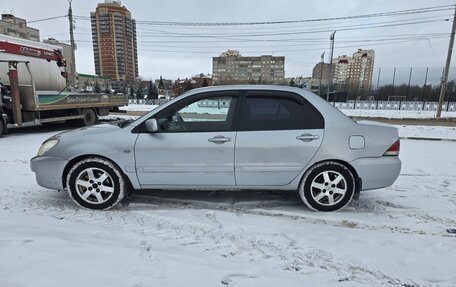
[(394, 149)]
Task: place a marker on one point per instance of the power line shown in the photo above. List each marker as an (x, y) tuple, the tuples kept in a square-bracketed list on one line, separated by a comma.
[(373, 15), (167, 34), (186, 51), (46, 19)]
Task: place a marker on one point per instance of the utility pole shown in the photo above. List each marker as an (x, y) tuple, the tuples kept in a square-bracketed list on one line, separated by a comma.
[(333, 35), (378, 78), (408, 87), (425, 83), (394, 79), (73, 45), (447, 68), (321, 72)]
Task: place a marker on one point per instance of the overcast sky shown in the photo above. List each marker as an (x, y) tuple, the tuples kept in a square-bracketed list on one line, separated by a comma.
[(183, 51)]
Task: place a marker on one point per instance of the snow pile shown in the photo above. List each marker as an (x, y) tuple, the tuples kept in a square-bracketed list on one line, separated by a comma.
[(139, 108), (430, 132)]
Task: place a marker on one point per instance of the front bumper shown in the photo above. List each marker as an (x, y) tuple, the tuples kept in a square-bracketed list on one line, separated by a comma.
[(48, 171), (378, 172)]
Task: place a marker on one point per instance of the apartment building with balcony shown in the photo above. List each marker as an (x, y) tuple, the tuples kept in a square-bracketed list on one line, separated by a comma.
[(114, 42)]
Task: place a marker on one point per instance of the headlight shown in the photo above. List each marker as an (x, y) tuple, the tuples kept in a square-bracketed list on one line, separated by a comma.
[(46, 146)]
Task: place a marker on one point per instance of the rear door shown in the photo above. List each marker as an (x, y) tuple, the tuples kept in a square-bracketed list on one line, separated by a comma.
[(278, 134)]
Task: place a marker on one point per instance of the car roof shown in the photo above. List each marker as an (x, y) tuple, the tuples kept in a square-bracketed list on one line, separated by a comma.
[(247, 87)]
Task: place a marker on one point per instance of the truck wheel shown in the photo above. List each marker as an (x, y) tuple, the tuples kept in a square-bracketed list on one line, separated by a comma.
[(1, 127), (90, 117), (96, 183)]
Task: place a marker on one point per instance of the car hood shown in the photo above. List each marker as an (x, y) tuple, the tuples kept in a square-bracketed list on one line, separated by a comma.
[(87, 131)]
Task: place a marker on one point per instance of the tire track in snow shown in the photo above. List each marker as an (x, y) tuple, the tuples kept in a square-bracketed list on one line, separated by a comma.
[(304, 217), (207, 237)]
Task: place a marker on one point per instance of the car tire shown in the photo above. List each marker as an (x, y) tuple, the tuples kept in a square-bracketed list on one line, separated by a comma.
[(90, 117), (327, 186), (96, 183), (2, 127)]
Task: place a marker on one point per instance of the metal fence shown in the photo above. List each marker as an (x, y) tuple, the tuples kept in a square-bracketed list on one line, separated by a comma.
[(395, 105), (356, 105), (147, 101)]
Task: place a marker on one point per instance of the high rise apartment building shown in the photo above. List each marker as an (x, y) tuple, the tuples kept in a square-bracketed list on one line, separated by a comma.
[(17, 27), (114, 42), (230, 68), (351, 73), (321, 72), (361, 70), (341, 69)]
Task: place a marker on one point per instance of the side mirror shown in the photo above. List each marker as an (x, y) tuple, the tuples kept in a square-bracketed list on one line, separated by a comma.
[(151, 125)]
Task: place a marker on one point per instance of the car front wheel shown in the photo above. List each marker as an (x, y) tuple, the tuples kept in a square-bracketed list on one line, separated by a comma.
[(328, 186), (95, 183)]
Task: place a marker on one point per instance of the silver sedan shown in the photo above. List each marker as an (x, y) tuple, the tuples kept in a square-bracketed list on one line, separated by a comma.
[(225, 137)]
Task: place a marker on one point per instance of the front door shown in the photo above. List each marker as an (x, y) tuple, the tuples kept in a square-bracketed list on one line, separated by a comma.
[(194, 145), (279, 133)]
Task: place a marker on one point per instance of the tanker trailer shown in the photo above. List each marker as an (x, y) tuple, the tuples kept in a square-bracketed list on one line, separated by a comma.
[(34, 87)]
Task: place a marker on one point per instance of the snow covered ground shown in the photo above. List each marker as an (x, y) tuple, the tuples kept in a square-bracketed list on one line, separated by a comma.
[(392, 237)]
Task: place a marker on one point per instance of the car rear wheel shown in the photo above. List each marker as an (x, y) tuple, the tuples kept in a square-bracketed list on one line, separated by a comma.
[(327, 186), (96, 183)]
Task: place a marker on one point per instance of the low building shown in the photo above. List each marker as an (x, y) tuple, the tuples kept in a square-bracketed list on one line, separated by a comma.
[(232, 68), (91, 83), (202, 80), (17, 27)]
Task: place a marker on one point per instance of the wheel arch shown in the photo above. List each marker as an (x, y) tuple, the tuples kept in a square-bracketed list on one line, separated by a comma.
[(358, 180), (77, 159)]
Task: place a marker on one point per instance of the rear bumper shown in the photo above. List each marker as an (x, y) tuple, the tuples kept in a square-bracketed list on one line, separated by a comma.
[(48, 171), (378, 172)]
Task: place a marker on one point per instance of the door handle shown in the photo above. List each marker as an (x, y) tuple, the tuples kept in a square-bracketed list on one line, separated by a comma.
[(307, 137), (219, 139)]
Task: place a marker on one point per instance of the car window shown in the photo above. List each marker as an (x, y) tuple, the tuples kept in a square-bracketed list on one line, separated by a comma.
[(210, 113), (278, 112)]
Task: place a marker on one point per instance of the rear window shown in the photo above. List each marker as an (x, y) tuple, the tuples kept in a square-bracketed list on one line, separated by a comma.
[(272, 111)]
